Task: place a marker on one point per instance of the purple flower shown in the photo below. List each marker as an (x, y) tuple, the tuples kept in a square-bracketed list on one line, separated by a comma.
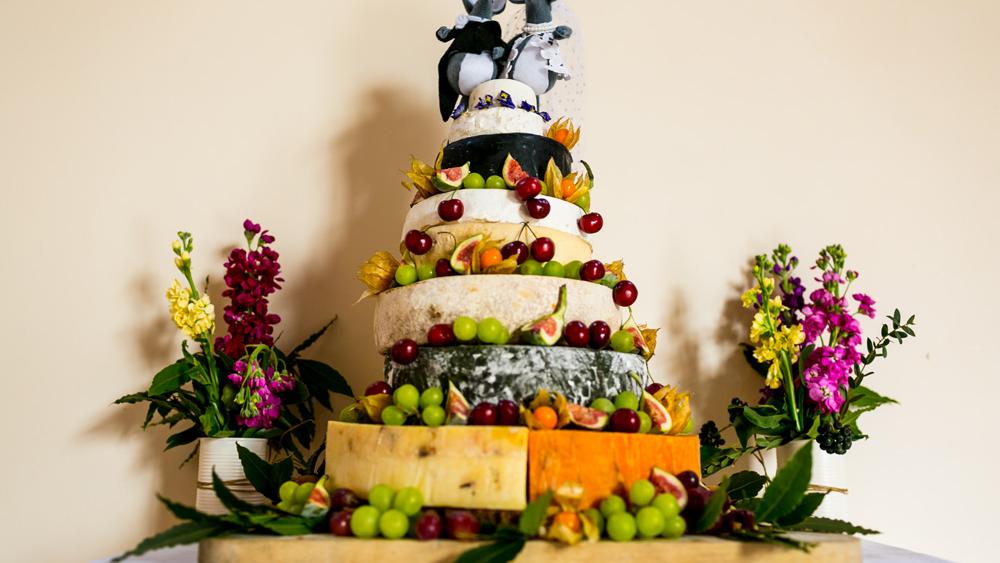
[(251, 227), (251, 276), (831, 277), (823, 298), (814, 323), (825, 393), (866, 305)]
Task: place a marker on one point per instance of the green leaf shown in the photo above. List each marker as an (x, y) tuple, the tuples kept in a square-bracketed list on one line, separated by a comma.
[(321, 376), (288, 526), (534, 514), (181, 534), (170, 378), (862, 397), (713, 508), (184, 437), (309, 341), (804, 510), (231, 501), (830, 526), (814, 428), (497, 552), (745, 484), (765, 422), (788, 487), (185, 512), (771, 536), (260, 473)]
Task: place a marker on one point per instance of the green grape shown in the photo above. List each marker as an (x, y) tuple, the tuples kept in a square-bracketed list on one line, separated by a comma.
[(650, 522), (553, 269), (621, 526), (426, 272), (287, 489), (604, 405), (688, 427), (464, 329), (674, 527), (433, 415), (302, 492), (573, 269), (584, 202), (612, 505), (474, 181), (406, 274), (409, 501), (623, 341), (495, 182), (530, 267), (431, 396), (406, 397), (645, 423), (393, 416), (597, 518), (489, 330), (641, 493), (364, 522), (504, 336), (627, 400), (393, 524), (667, 504), (286, 505), (381, 497)]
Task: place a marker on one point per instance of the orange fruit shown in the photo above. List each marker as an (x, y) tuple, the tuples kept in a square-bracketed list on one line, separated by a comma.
[(568, 519), (490, 257), (560, 135), (568, 187), (546, 417)]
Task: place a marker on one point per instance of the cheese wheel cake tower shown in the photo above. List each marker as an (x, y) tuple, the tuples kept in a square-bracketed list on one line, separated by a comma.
[(498, 302)]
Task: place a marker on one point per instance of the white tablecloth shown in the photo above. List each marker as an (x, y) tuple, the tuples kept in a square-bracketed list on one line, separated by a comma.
[(873, 552)]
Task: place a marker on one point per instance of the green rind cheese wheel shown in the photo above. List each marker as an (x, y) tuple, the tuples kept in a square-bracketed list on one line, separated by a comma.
[(492, 373)]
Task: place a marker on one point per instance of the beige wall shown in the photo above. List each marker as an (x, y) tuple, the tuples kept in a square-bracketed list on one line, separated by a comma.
[(717, 130)]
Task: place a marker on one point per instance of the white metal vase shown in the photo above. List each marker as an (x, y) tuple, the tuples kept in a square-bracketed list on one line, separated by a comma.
[(829, 472), (220, 454)]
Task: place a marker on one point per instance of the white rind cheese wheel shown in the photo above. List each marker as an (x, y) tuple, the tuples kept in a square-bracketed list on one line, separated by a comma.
[(514, 300), (518, 91), (494, 206), (498, 119), (452, 466)]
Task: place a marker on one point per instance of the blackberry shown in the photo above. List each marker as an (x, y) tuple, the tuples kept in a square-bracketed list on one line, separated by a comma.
[(709, 435), (835, 438), (735, 408)]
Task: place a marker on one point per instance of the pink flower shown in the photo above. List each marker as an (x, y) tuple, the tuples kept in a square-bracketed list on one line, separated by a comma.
[(866, 305), (825, 393), (814, 324)]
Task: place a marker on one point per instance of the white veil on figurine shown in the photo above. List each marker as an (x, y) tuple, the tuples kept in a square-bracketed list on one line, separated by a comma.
[(566, 99)]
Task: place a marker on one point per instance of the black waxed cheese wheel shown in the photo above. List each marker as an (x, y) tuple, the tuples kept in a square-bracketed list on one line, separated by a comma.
[(492, 373), (487, 153)]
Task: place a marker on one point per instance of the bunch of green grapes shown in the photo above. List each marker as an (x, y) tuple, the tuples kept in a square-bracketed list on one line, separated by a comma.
[(408, 401)]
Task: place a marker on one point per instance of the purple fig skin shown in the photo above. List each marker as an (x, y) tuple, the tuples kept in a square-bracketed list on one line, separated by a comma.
[(697, 499)]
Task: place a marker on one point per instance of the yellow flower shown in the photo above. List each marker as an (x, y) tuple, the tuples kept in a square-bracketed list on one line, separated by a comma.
[(773, 379), (749, 297), (776, 304), (766, 351), (758, 328), (195, 317)]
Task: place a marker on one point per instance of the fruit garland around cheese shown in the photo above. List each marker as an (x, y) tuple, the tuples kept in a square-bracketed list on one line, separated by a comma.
[(660, 409)]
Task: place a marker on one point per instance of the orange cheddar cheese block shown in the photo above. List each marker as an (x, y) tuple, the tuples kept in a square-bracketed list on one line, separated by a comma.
[(604, 462)]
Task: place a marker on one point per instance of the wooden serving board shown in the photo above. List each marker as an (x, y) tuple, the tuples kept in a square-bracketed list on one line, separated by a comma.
[(701, 549)]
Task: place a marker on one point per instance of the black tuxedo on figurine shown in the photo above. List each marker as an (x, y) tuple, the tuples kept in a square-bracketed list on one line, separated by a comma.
[(475, 39)]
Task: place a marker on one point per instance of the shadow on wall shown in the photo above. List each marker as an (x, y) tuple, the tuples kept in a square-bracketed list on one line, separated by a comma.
[(711, 389)]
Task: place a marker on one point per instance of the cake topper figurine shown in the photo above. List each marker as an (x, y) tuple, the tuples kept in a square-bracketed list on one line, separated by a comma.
[(534, 54), (472, 57)]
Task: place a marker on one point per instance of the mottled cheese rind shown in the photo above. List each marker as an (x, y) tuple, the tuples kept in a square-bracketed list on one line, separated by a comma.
[(453, 466), (514, 300), (604, 462), (491, 373)]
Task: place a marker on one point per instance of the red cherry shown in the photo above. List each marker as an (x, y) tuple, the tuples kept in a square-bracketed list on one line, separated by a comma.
[(440, 335), (600, 334), (485, 414), (508, 413), (653, 388), (451, 209), (461, 524), (340, 523), (528, 188), (590, 223), (538, 207), (576, 334), (625, 293), (418, 242), (343, 498), (624, 420), (404, 351), (515, 247), (378, 388), (428, 526), (592, 270), (443, 268), (543, 249)]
